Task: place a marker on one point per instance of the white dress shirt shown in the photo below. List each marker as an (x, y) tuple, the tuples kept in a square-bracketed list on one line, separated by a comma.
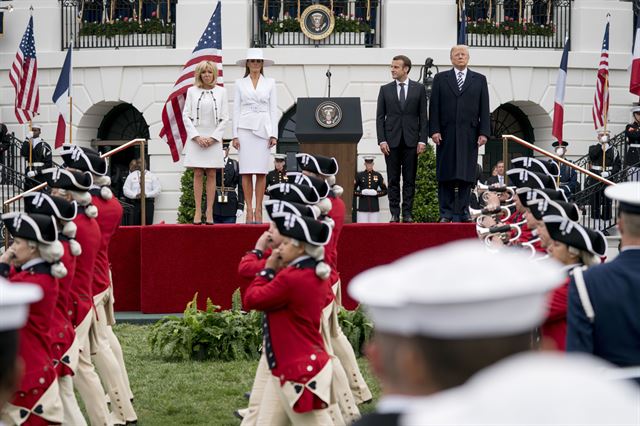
[(406, 88), (131, 187)]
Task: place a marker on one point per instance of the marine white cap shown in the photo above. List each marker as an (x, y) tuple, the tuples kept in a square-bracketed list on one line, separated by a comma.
[(455, 291), (628, 194), (14, 303)]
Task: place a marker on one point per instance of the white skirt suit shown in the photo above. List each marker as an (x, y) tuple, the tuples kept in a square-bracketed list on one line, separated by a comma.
[(255, 120), (206, 114)]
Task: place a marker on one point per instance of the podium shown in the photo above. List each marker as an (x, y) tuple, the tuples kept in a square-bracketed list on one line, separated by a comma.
[(332, 127)]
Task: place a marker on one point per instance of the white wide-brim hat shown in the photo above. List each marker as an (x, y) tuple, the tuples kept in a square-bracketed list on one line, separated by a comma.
[(255, 53)]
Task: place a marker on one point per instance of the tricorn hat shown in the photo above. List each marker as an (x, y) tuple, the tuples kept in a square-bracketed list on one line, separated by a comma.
[(302, 228), (541, 208), (320, 185), (292, 192), (318, 164), (525, 178), (67, 179), (50, 205), (536, 165), (575, 235), (281, 206), (35, 227), (85, 159)]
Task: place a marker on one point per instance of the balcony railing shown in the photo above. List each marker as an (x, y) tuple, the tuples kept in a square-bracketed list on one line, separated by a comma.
[(118, 23), (277, 23), (516, 23)]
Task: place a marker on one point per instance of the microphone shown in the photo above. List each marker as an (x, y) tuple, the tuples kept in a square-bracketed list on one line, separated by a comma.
[(328, 73), (428, 63)]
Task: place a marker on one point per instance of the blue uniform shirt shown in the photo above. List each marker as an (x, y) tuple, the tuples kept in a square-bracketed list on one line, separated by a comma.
[(614, 291)]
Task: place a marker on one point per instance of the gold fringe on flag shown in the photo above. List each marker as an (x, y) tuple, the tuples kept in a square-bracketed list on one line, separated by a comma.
[(368, 10), (265, 7)]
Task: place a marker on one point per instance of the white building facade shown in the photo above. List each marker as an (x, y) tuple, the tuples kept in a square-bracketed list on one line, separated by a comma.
[(105, 78)]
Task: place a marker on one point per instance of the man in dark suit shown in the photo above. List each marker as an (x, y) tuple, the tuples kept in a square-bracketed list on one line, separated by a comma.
[(402, 128), (499, 177), (459, 124), (602, 312), (228, 204)]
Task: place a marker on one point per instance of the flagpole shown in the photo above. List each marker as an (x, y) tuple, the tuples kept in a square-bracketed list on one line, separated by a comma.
[(71, 91), (30, 147)]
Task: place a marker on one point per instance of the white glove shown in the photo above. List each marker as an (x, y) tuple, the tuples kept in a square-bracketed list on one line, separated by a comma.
[(31, 173), (238, 213), (605, 174), (371, 192)]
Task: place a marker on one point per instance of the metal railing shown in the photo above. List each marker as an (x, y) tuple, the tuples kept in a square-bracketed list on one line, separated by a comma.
[(276, 23), (516, 23), (118, 23), (13, 168)]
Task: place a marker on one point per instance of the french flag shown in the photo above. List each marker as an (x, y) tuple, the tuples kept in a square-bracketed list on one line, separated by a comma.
[(561, 82), (634, 83), (62, 98)]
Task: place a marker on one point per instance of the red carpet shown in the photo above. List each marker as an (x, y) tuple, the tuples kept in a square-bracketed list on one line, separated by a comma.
[(157, 269)]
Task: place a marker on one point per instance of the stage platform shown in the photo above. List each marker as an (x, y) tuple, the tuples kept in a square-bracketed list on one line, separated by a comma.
[(158, 268)]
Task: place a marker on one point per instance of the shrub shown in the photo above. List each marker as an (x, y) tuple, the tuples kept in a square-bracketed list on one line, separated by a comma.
[(230, 335), (425, 203), (187, 206)]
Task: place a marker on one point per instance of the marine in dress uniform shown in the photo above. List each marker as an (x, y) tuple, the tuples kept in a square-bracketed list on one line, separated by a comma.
[(368, 187), (34, 257), (14, 311), (610, 165), (632, 133), (279, 172), (229, 202), (430, 339), (63, 342), (39, 151), (327, 168), (111, 370), (568, 176), (603, 317), (291, 290)]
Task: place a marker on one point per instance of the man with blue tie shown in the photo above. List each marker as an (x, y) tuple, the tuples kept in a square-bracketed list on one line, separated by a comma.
[(459, 124), (603, 316)]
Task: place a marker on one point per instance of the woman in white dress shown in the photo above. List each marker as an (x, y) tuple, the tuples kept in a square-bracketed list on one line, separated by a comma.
[(255, 128), (205, 115)]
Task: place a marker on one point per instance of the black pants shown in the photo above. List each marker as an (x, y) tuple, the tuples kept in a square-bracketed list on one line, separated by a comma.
[(600, 203), (148, 213), (454, 205), (402, 161)]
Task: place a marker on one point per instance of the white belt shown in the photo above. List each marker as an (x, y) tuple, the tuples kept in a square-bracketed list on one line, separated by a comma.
[(634, 145), (600, 168), (256, 108)]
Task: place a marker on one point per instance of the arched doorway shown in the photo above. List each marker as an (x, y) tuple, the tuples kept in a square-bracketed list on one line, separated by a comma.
[(121, 124), (507, 119), (287, 140)]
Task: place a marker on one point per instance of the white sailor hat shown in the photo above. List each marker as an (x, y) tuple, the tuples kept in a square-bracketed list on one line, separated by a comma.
[(636, 107), (84, 159), (280, 157), (14, 303), (428, 293), (318, 164), (369, 158), (575, 235), (320, 185), (627, 194)]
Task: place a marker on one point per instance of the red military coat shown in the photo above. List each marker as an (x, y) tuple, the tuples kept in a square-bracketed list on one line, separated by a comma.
[(62, 332), (81, 297), (293, 303), (109, 217), (35, 343), (336, 213), (555, 325)]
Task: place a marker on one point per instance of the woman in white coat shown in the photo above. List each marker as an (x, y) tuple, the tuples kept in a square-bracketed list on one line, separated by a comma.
[(205, 115), (255, 128)]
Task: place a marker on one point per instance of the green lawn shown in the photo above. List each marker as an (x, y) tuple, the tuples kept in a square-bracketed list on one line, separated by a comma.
[(190, 393)]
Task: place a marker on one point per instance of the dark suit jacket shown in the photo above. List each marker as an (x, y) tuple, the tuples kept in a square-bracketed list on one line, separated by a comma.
[(231, 182), (394, 122), (494, 179), (460, 116)]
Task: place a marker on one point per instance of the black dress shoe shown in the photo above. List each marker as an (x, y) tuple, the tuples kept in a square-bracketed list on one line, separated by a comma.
[(407, 219), (445, 220), (237, 415), (247, 395), (394, 219)]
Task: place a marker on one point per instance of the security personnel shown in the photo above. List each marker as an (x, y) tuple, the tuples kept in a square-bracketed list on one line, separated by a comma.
[(368, 187), (229, 201), (632, 133), (603, 301), (133, 192), (37, 153), (604, 160), (279, 172), (568, 176)]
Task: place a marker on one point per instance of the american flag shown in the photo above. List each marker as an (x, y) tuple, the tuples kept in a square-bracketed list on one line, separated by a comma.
[(23, 76), (601, 98), (209, 48)]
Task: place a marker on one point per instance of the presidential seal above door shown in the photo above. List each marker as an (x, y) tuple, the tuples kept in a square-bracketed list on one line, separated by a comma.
[(317, 22)]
